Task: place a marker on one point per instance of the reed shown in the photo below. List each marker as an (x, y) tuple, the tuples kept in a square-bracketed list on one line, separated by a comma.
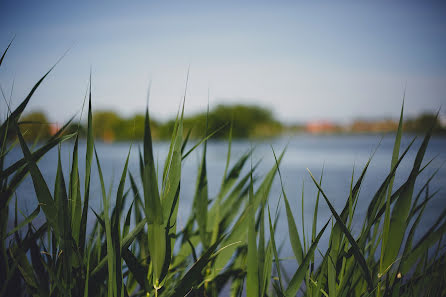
[(224, 241)]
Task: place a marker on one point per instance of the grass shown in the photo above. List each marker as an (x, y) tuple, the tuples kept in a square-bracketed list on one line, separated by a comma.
[(223, 242)]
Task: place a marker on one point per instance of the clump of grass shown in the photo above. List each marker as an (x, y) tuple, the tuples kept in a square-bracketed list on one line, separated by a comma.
[(223, 242)]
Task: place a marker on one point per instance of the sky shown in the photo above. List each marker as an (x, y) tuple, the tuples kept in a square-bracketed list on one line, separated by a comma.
[(306, 60)]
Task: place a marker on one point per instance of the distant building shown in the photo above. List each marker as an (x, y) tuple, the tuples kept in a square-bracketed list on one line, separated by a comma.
[(321, 127), (442, 119), (360, 126), (54, 128)]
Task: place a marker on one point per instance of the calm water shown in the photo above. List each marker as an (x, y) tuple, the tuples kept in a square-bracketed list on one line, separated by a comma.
[(339, 155)]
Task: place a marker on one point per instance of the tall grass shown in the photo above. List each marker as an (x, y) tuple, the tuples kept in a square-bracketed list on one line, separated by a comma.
[(223, 248)]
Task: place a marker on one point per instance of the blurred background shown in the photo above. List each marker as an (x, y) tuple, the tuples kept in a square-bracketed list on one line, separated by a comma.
[(330, 63)]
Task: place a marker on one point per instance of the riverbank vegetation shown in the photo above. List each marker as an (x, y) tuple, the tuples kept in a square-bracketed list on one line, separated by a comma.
[(248, 121), (134, 247)]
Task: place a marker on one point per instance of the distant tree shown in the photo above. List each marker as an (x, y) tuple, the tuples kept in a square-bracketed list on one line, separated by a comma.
[(76, 127), (104, 125), (109, 126), (422, 123), (133, 128), (35, 126), (248, 121)]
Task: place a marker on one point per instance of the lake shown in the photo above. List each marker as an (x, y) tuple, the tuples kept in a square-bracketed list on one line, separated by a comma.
[(339, 155)]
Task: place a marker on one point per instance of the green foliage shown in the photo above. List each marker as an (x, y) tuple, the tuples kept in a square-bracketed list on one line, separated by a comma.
[(247, 121), (35, 126), (109, 126), (129, 250), (423, 122)]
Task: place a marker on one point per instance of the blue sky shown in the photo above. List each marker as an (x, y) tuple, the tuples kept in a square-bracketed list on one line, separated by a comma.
[(336, 60)]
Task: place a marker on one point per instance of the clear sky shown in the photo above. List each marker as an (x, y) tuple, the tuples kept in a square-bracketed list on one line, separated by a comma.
[(335, 60)]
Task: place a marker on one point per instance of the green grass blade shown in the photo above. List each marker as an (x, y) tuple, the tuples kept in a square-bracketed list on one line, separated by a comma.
[(376, 202), (25, 221), (201, 200), (52, 142), (15, 115), (125, 243), (74, 190), (299, 275), (138, 270), (185, 141), (252, 280), (395, 154), (42, 192), (355, 248), (276, 255), (315, 213), (88, 162), (5, 51), (429, 239), (153, 209), (228, 156), (201, 141), (401, 210), (261, 250), (126, 228), (267, 269), (194, 274), (292, 229), (238, 232), (110, 252), (173, 179), (410, 237), (87, 278), (64, 219), (116, 227)]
